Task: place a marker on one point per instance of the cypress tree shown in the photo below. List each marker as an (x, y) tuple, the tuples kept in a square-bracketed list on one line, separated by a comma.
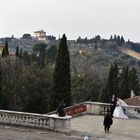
[(111, 38), (62, 77), (124, 83), (17, 51), (118, 40), (111, 85), (115, 37), (108, 89), (3, 52), (122, 40), (134, 81), (41, 49), (41, 60), (20, 54), (115, 78), (6, 48)]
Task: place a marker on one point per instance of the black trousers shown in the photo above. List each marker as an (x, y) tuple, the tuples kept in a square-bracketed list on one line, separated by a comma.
[(112, 109), (106, 127)]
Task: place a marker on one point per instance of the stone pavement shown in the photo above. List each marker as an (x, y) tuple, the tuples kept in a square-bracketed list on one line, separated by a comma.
[(13, 133), (88, 124), (120, 130)]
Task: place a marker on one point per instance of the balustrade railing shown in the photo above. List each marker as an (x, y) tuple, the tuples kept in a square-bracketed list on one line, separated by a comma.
[(33, 120), (53, 121), (98, 108)]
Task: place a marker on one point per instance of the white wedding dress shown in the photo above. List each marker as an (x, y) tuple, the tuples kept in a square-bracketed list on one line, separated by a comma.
[(118, 112)]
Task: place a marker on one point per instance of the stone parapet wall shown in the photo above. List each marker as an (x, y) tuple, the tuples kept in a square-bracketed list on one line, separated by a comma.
[(34, 120), (54, 122), (98, 108)]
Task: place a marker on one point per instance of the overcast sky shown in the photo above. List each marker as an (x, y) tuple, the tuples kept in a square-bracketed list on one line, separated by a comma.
[(73, 17)]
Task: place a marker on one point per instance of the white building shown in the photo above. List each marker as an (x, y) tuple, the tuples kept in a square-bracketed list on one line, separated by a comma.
[(40, 35)]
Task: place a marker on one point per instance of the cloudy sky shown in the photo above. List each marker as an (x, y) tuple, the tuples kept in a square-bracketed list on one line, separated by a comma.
[(73, 17)]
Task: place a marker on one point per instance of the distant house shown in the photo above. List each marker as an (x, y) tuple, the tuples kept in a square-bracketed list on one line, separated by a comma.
[(134, 101), (40, 35)]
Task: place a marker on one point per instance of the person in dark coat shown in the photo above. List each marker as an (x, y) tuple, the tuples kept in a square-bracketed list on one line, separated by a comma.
[(113, 104), (60, 109), (107, 121)]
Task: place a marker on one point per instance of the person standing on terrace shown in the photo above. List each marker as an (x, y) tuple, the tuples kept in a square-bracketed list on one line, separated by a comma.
[(60, 109)]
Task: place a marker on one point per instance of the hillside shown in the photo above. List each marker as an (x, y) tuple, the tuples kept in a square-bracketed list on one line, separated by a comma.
[(86, 55)]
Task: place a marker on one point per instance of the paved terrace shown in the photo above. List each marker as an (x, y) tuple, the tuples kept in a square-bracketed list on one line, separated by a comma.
[(18, 133), (90, 121), (87, 124), (120, 130)]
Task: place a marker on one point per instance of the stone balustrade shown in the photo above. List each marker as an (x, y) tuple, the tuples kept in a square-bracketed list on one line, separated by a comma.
[(53, 121), (98, 108), (132, 111), (34, 120)]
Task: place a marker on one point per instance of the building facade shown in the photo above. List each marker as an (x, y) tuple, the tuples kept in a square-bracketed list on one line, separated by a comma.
[(40, 35)]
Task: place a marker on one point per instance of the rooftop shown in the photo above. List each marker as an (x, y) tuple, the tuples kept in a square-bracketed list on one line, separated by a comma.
[(40, 31), (134, 101)]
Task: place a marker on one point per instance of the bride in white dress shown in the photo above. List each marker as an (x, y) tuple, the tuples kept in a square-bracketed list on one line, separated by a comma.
[(118, 112)]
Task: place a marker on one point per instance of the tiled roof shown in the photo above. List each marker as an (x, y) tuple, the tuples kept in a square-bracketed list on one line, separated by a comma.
[(134, 101)]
